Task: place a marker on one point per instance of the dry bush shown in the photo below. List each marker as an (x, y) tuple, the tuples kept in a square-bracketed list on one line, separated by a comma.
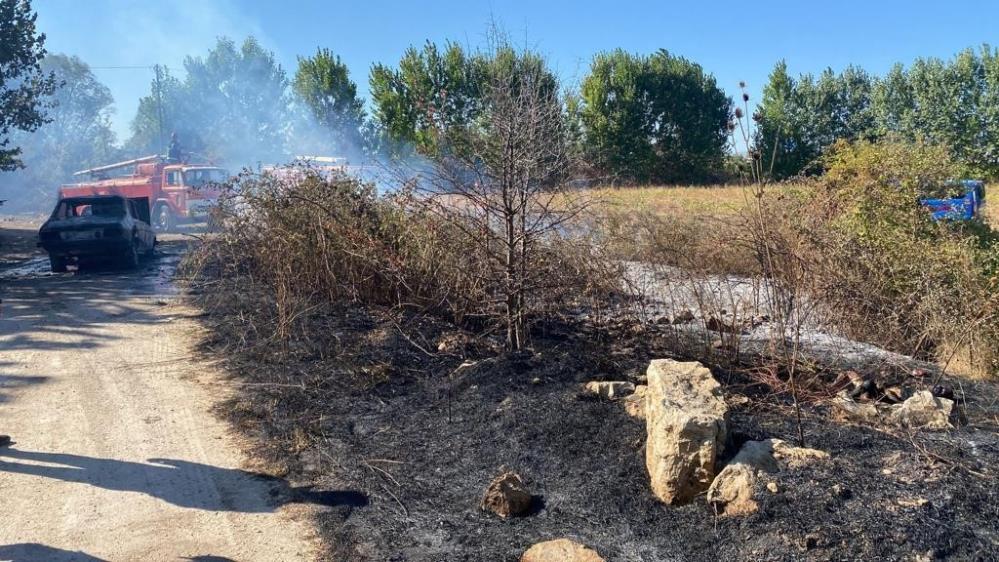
[(866, 259), (304, 240)]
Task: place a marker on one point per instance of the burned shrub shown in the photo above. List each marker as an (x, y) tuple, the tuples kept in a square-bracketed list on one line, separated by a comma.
[(304, 240)]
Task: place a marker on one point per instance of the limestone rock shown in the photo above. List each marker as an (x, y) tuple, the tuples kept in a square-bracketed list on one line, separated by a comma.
[(734, 491), (560, 550), (507, 496), (869, 413), (794, 457), (609, 390), (634, 405), (686, 426), (924, 411)]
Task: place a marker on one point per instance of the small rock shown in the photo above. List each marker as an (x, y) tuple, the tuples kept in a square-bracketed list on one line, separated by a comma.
[(869, 413), (796, 456), (634, 405), (560, 550), (5, 440), (913, 502), (733, 491), (505, 404), (684, 317), (924, 411), (772, 486), (507, 496), (841, 492), (609, 390), (536, 381)]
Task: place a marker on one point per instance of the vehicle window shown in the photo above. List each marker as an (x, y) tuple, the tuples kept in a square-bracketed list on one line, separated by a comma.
[(173, 178), (201, 177), (108, 209), (70, 209)]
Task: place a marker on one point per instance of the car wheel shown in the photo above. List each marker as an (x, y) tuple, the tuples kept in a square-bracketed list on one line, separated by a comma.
[(58, 264), (163, 219)]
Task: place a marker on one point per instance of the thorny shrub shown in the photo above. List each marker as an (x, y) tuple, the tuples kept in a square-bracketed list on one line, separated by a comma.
[(304, 240)]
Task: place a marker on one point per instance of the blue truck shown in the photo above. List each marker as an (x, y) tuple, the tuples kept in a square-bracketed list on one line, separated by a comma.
[(963, 208)]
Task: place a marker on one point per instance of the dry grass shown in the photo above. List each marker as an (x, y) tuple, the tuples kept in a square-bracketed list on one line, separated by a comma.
[(992, 210), (711, 200)]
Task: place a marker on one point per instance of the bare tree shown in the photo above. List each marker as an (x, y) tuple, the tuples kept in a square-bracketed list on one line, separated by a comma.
[(502, 181)]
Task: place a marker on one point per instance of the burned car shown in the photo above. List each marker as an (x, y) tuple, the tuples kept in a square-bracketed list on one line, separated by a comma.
[(97, 228)]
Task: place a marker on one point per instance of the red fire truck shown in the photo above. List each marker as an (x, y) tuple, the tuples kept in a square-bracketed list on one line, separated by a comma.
[(177, 192)]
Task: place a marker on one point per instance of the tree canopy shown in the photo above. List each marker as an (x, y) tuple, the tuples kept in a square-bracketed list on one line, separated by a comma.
[(323, 86), (232, 105), (954, 103), (24, 86), (78, 134), (657, 118)]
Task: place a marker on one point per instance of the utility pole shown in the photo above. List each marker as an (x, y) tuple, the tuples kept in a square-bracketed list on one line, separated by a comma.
[(159, 103)]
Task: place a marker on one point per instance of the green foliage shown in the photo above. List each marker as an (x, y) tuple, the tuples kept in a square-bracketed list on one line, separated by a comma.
[(78, 135), (657, 118), (883, 270), (435, 101), (232, 105), (322, 83), (798, 119), (430, 92), (23, 84), (954, 103)]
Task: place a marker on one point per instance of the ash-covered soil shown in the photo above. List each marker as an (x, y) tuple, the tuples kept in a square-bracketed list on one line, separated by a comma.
[(410, 439)]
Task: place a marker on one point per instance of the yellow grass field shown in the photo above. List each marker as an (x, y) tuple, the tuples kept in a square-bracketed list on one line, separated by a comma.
[(710, 200), (716, 200)]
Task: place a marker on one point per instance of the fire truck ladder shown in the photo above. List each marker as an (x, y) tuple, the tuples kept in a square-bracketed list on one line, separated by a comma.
[(117, 166)]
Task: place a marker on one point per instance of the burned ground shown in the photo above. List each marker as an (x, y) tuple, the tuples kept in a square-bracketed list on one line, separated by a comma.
[(373, 407)]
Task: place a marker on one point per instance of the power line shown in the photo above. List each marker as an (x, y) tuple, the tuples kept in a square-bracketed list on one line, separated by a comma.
[(147, 67)]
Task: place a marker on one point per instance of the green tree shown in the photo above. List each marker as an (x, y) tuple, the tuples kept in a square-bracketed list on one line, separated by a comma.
[(78, 135), (322, 83), (432, 91), (23, 84), (798, 119), (654, 118), (232, 105)]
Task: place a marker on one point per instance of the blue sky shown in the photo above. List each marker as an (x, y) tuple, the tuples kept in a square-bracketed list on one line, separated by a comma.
[(733, 40)]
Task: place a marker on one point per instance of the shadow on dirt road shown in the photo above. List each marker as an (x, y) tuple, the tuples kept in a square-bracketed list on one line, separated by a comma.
[(116, 455), (159, 478), (34, 552)]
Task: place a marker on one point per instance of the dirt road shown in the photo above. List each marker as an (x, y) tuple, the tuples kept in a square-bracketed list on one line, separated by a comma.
[(116, 456)]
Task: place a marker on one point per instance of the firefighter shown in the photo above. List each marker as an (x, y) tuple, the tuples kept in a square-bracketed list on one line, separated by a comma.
[(174, 152)]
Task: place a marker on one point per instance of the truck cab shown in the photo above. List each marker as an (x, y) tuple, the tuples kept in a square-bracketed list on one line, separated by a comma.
[(187, 193)]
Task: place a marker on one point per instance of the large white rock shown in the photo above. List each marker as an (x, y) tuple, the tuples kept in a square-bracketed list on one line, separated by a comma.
[(686, 425), (924, 411)]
